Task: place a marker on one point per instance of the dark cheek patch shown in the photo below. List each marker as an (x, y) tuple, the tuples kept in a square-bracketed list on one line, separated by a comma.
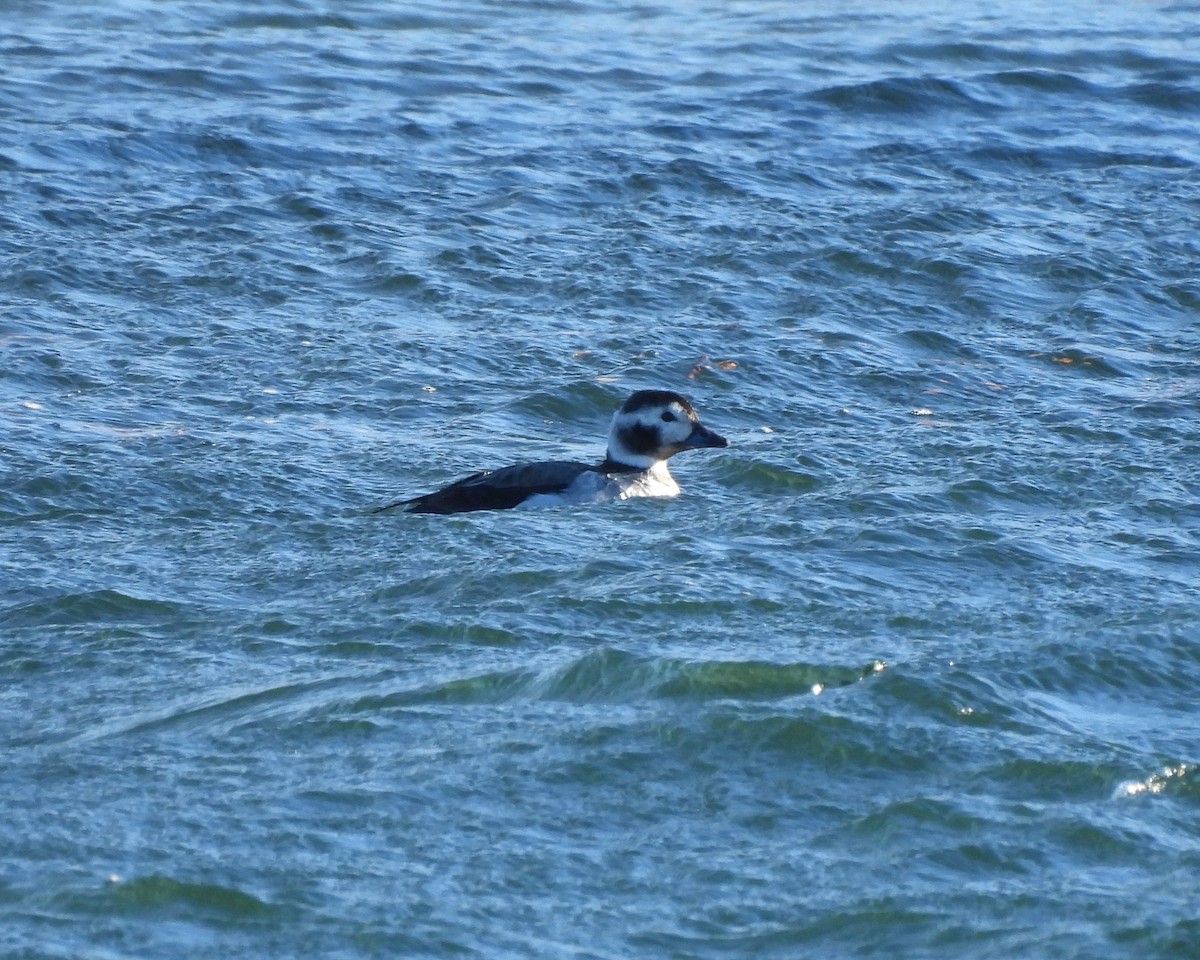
[(640, 439)]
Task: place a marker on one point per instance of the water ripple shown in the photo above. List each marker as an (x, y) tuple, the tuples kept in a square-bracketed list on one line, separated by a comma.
[(266, 268)]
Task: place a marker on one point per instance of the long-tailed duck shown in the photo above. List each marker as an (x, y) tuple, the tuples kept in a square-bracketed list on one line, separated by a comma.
[(650, 428)]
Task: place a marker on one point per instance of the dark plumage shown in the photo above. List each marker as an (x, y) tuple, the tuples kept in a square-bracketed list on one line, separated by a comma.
[(650, 427), (500, 489)]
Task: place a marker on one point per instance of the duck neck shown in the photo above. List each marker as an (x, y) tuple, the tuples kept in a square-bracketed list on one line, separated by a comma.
[(623, 462)]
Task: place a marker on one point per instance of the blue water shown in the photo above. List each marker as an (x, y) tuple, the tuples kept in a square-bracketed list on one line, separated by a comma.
[(909, 670)]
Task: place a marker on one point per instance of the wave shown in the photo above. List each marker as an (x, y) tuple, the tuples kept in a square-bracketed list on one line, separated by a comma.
[(157, 894), (104, 606), (611, 675), (900, 95)]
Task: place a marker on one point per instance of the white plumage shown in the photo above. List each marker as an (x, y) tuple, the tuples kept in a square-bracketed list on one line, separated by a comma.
[(650, 428)]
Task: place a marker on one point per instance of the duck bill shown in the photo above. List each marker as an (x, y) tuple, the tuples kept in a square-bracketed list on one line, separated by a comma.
[(701, 437)]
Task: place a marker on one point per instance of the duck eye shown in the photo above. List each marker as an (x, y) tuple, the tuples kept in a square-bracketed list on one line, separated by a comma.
[(668, 417)]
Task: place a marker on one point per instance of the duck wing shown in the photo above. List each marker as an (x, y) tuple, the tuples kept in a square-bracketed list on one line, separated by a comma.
[(500, 489)]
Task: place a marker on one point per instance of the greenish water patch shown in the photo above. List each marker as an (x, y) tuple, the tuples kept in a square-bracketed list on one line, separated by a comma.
[(908, 670)]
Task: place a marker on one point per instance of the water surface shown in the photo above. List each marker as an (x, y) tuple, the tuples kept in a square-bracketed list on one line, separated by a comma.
[(909, 670)]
